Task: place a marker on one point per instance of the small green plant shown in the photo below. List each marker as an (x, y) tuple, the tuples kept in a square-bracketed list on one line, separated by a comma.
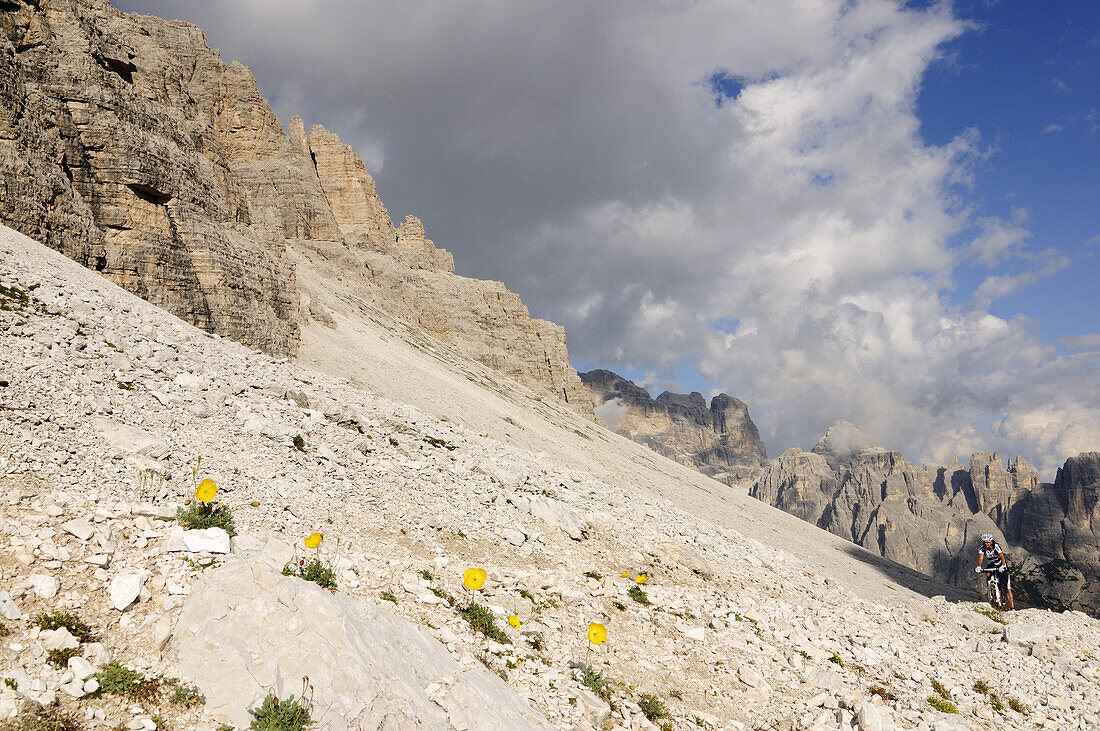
[(980, 686), (60, 658), (1018, 706), (618, 605), (160, 721), (204, 515), (651, 706), (503, 674), (440, 443), (299, 442), (57, 620), (883, 692), (11, 683), (535, 642), (290, 714), (427, 575), (836, 659), (393, 442), (34, 717), (115, 679), (125, 386), (387, 596), (315, 571), (991, 613), (637, 594), (675, 693), (188, 695), (941, 705), (941, 690), (225, 727), (593, 575), (595, 682), (200, 566), (483, 621)]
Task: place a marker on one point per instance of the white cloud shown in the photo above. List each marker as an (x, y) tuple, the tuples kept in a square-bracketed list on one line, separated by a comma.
[(574, 151), (1052, 127)]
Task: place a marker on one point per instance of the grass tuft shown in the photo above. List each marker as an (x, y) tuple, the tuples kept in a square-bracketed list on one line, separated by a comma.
[(203, 515), (595, 682), (387, 596), (57, 620), (34, 717), (188, 695), (941, 690), (275, 715), (652, 706), (60, 658), (836, 659), (483, 621), (941, 705), (638, 594), (115, 679), (991, 613)]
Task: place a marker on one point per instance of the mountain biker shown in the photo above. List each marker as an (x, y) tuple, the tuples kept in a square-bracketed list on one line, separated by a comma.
[(991, 550)]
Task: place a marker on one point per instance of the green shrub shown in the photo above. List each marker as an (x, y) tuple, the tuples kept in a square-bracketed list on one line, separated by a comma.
[(34, 717), (637, 594), (1018, 706), (275, 715), (996, 703), (319, 574), (204, 515), (188, 695), (991, 613), (595, 682), (60, 658), (942, 705), (57, 620), (980, 686), (483, 621), (651, 706), (115, 679), (941, 691)]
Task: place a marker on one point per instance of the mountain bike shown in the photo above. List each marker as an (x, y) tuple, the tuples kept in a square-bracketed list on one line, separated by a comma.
[(994, 587)]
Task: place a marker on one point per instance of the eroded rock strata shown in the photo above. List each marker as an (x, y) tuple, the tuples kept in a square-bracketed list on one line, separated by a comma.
[(719, 440), (930, 517), (128, 145)]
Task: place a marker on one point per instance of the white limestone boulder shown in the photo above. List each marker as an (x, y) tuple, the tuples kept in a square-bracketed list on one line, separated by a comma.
[(369, 668)]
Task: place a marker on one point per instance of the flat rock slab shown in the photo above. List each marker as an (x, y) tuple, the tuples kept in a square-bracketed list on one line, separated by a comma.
[(208, 540), (125, 589), (79, 527), (369, 669)]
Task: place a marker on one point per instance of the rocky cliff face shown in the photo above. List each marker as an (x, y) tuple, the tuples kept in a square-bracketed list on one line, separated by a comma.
[(720, 440), (127, 144), (929, 518)]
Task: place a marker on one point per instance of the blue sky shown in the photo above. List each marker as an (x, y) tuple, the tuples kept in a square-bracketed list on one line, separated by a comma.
[(833, 209), (1028, 78)]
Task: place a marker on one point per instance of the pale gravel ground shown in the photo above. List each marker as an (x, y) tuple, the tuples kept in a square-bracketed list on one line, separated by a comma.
[(758, 586)]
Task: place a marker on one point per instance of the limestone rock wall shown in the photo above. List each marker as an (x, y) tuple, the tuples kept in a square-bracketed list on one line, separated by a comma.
[(930, 518), (127, 144), (720, 440)]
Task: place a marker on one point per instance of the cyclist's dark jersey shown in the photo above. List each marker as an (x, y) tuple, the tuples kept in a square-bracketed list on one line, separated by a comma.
[(991, 557)]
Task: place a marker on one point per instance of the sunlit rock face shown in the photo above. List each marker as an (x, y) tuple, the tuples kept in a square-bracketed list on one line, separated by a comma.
[(930, 518), (720, 440), (127, 144)]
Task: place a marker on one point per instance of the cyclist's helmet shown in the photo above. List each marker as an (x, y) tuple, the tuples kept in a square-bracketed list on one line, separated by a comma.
[(987, 537)]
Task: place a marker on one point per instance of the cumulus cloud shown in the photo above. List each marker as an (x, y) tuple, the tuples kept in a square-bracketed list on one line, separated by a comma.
[(738, 185)]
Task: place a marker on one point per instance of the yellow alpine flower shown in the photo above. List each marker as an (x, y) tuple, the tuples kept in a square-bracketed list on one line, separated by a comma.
[(642, 578), (314, 540), (206, 491), (514, 621), (624, 574), (597, 633), (474, 578)]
